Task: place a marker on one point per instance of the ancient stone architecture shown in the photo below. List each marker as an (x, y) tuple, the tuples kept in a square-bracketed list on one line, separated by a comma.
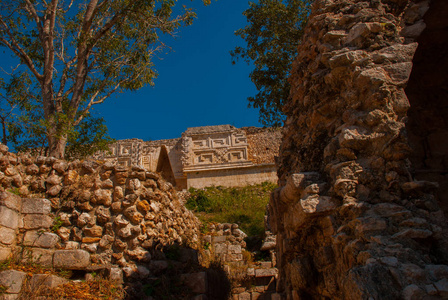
[(204, 156), (363, 163), (126, 224)]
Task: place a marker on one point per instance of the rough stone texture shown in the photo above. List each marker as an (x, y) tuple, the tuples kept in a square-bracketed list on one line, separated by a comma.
[(197, 282), (36, 206), (12, 280), (9, 218), (353, 218), (46, 281), (71, 259)]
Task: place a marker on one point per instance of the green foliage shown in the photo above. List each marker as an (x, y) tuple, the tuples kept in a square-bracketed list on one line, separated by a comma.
[(57, 223), (245, 206), (73, 55), (272, 35), (14, 191)]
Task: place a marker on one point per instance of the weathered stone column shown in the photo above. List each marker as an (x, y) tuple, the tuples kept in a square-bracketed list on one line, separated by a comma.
[(352, 221)]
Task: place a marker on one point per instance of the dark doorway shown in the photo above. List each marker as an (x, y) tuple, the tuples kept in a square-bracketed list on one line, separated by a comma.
[(164, 166), (427, 91)]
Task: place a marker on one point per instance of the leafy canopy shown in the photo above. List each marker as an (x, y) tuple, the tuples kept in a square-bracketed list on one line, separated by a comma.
[(272, 35), (75, 54)]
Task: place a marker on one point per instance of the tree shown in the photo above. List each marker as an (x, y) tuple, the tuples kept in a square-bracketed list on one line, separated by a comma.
[(272, 35), (78, 53)]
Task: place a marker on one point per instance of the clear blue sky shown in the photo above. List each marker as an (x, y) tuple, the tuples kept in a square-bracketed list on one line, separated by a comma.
[(197, 83)]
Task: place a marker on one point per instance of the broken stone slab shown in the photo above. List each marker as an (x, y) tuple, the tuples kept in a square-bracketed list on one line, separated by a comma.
[(12, 280), (71, 259), (197, 282), (317, 204), (295, 184)]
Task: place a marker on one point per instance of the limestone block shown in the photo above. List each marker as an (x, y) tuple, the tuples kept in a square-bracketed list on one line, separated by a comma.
[(10, 201), (244, 296), (116, 274), (35, 221), (106, 241), (90, 246), (10, 297), (72, 245), (54, 190), (95, 231), (40, 239), (218, 239), (12, 280), (9, 218), (107, 184), (413, 31), (32, 169), (142, 271), (60, 166), (103, 197), (7, 235), (36, 206), (412, 292), (71, 177), (11, 171), (53, 180), (5, 253), (39, 256), (220, 248), (84, 219), (236, 249), (266, 264), (197, 282), (46, 281), (442, 287), (266, 272), (133, 215), (437, 272), (413, 233), (71, 259), (64, 233)]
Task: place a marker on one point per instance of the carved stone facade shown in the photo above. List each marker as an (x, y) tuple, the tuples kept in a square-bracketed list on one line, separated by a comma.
[(204, 156)]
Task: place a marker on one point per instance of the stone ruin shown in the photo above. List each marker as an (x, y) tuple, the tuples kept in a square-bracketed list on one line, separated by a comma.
[(361, 208), (126, 224), (204, 156)]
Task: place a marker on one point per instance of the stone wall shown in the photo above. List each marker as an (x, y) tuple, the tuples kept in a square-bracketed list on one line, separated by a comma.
[(353, 218), (263, 144), (93, 217)]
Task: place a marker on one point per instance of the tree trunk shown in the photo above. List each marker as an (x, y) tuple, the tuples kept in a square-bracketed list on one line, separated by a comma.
[(56, 146)]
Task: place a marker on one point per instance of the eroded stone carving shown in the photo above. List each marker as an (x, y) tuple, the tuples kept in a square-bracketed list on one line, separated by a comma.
[(247, 153)]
